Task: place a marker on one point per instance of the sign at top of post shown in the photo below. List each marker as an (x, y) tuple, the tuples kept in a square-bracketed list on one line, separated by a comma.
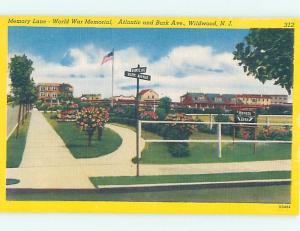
[(139, 69)]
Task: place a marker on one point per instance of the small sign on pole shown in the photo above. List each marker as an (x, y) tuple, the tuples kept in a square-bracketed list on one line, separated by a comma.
[(139, 69), (245, 116), (137, 75)]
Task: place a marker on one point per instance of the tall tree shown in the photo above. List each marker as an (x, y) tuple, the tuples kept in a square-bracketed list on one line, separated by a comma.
[(267, 54), (165, 103), (20, 70)]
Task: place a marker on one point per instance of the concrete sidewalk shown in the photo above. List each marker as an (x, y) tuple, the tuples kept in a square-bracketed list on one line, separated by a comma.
[(47, 162)]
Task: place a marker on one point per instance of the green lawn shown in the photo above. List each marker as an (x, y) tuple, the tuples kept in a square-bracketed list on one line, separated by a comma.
[(157, 153), (278, 194), (131, 180), (15, 147), (77, 140)]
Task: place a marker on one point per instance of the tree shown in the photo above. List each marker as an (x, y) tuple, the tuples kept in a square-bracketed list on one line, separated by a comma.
[(66, 93), (165, 103), (267, 54), (163, 107), (20, 70), (92, 118)]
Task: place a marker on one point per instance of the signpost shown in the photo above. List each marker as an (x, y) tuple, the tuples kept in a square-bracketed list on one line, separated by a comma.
[(136, 73), (246, 116)]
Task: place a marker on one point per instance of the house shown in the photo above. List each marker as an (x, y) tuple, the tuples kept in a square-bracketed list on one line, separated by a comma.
[(49, 92), (148, 95), (90, 97)]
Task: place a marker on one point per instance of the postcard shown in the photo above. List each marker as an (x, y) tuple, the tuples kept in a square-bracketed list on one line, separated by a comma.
[(149, 115)]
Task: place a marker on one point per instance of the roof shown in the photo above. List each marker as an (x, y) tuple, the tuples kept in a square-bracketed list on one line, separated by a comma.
[(194, 94), (142, 92), (49, 84)]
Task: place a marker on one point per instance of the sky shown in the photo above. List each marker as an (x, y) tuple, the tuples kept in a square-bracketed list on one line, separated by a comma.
[(178, 60)]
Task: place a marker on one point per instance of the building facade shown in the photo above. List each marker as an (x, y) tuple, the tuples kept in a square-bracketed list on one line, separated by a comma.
[(148, 95), (49, 92), (261, 100), (279, 99)]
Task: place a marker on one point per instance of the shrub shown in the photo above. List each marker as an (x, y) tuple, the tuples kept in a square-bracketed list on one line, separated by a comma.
[(173, 131)]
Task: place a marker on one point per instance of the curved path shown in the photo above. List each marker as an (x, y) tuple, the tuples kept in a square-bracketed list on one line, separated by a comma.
[(48, 163)]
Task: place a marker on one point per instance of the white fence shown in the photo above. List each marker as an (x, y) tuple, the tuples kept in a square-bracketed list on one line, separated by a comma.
[(218, 139), (267, 117)]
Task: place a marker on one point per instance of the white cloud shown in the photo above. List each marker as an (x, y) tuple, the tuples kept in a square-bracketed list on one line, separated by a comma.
[(185, 68)]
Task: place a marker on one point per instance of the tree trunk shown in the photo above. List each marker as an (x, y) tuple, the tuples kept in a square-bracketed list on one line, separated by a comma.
[(26, 111), (19, 118), (23, 113), (89, 139), (100, 132)]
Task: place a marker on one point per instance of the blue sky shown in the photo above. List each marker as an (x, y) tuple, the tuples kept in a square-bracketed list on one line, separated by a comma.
[(179, 60), (52, 43)]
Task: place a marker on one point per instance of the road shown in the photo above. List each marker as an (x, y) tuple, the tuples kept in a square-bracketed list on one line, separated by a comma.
[(12, 118)]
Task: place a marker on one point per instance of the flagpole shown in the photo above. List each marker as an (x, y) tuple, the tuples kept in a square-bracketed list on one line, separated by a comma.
[(112, 78)]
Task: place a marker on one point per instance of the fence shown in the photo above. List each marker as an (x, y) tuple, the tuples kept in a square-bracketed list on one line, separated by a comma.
[(218, 139), (267, 117)]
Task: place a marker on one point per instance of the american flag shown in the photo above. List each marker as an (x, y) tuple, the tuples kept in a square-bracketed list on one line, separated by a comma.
[(107, 57)]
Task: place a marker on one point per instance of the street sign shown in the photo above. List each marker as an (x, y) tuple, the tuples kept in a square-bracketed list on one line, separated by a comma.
[(144, 77), (139, 69), (130, 74), (137, 75), (245, 116)]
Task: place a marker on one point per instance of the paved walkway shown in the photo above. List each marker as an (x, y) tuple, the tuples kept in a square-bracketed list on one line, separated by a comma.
[(47, 163)]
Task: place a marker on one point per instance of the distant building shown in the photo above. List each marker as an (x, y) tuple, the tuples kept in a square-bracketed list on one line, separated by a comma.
[(123, 98), (230, 101), (149, 99), (279, 99), (210, 100), (90, 97), (261, 100), (148, 95), (49, 92)]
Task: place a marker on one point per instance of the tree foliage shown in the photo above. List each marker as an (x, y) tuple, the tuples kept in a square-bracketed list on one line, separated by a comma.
[(20, 70), (267, 54), (165, 103)]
